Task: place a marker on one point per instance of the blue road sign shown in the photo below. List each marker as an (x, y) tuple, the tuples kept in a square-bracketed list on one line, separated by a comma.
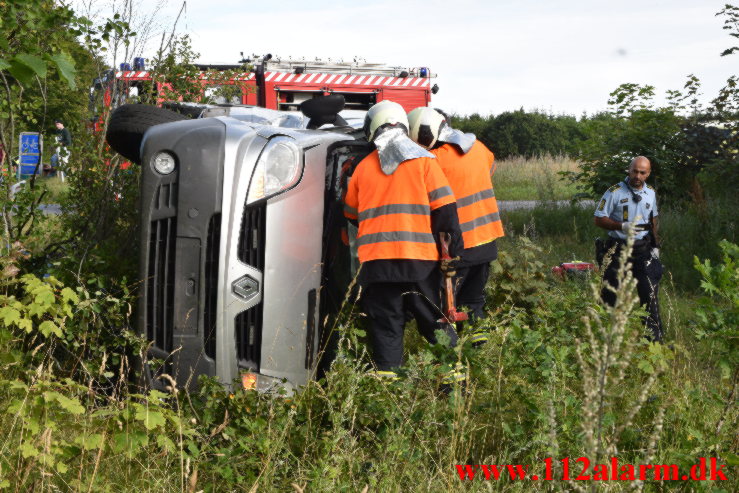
[(31, 146)]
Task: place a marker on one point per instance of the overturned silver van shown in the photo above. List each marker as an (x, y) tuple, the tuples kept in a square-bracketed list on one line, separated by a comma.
[(245, 256)]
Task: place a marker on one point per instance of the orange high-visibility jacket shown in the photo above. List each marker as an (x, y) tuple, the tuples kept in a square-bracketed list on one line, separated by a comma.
[(470, 176), (394, 211)]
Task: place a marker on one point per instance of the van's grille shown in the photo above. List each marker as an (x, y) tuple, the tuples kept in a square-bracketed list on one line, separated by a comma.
[(248, 324), (160, 283), (249, 337), (212, 251), (251, 236)]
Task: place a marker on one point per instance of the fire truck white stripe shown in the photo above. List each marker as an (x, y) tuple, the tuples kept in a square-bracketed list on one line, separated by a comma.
[(320, 78), (310, 78), (397, 82), (418, 81), (341, 77), (360, 80), (300, 77), (389, 81), (407, 81), (280, 77), (289, 78), (369, 80), (332, 77), (350, 79), (270, 75)]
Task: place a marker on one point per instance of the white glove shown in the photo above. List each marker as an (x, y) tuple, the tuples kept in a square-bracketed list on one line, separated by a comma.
[(655, 253), (627, 227)]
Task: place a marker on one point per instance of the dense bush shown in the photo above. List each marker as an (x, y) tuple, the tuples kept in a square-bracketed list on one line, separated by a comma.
[(528, 134)]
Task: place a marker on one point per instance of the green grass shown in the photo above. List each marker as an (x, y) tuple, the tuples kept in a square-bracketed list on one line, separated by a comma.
[(568, 232), (55, 188), (529, 395), (534, 178), (527, 400)]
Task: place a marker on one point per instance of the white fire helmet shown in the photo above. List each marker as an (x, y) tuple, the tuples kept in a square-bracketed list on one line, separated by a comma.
[(425, 126), (384, 114)]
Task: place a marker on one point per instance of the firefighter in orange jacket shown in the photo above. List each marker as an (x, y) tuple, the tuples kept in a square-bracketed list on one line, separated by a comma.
[(402, 201), (468, 165)]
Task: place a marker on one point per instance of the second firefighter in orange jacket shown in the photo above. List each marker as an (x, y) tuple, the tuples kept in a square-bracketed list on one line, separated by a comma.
[(468, 165), (401, 200)]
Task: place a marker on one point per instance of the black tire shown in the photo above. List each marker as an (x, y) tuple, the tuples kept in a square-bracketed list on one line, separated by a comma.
[(129, 123)]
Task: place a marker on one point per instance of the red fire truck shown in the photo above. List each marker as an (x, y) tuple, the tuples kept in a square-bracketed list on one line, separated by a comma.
[(279, 84)]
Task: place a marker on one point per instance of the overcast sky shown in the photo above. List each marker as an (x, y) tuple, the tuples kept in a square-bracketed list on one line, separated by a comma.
[(490, 56)]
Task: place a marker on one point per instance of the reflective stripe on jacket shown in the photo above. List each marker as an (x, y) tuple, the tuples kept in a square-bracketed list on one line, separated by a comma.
[(470, 176), (394, 211)]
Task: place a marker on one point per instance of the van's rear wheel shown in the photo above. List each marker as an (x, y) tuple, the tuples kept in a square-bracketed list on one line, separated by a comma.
[(129, 123)]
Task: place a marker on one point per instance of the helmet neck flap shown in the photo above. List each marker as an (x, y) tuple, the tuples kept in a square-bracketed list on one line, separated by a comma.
[(394, 147), (463, 141)]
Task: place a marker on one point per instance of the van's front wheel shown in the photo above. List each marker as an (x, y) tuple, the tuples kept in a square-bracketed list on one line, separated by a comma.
[(129, 123)]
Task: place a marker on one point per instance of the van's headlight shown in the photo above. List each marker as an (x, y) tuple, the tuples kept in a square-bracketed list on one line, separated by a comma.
[(278, 168), (163, 162)]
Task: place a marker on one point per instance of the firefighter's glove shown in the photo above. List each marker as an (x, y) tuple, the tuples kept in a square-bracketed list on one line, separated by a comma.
[(449, 266), (655, 253), (628, 227)]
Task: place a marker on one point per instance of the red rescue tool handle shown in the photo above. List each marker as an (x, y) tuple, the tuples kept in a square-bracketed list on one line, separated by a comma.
[(445, 240), (451, 314)]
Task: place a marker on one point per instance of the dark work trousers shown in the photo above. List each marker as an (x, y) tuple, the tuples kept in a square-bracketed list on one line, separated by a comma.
[(469, 287), (647, 271), (386, 303)]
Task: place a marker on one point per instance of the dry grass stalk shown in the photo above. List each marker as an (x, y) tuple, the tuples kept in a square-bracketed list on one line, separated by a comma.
[(610, 348)]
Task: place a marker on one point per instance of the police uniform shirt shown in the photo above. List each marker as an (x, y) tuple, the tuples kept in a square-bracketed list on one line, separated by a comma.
[(618, 204)]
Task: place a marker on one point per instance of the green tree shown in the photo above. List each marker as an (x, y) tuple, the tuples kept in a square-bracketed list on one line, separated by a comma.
[(34, 40), (629, 129)]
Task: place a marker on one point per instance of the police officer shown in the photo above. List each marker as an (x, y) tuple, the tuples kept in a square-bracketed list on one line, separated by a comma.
[(631, 207), (402, 201), (468, 165)]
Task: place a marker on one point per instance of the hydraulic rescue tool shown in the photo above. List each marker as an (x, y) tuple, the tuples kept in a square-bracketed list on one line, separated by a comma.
[(451, 315)]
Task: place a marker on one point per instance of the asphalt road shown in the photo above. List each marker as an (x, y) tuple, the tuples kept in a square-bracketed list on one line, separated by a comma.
[(51, 209), (512, 205)]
